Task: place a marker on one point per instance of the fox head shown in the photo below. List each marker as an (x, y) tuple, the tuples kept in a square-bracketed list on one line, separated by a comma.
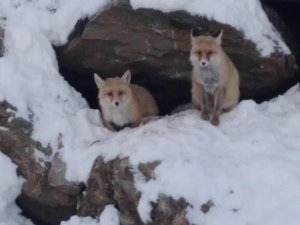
[(114, 92), (205, 51)]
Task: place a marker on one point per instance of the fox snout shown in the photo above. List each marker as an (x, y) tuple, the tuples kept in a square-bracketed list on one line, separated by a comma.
[(116, 103), (203, 63)]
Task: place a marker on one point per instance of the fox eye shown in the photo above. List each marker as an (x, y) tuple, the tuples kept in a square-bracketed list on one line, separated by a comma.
[(199, 53), (120, 93), (110, 94)]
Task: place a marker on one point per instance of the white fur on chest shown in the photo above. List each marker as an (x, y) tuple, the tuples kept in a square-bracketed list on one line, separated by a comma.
[(209, 78), (116, 115)]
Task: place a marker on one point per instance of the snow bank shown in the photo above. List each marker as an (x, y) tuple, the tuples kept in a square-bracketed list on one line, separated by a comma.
[(9, 189), (29, 73), (246, 16), (54, 19), (249, 166)]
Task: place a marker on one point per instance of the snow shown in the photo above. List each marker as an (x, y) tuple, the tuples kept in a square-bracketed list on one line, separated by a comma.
[(246, 16), (249, 166), (253, 156), (9, 189), (109, 216)]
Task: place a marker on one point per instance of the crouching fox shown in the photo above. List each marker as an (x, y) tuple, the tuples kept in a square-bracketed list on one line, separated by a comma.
[(215, 80), (123, 104)]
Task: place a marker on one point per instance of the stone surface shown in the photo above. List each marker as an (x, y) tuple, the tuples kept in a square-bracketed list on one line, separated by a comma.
[(111, 183), (147, 169), (167, 211), (157, 52)]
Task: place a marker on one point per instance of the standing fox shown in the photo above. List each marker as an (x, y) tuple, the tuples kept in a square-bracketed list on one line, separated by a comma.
[(215, 80), (124, 104)]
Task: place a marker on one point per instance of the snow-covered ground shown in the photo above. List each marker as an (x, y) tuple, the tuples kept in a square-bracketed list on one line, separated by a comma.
[(249, 166)]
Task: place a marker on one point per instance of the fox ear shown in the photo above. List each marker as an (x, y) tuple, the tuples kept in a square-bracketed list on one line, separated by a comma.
[(218, 37), (126, 78), (98, 80)]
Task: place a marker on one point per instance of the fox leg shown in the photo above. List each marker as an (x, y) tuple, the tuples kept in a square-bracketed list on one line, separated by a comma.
[(196, 95), (204, 98), (217, 107), (108, 125)]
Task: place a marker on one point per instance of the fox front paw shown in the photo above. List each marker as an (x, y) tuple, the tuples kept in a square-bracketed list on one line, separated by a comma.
[(205, 115), (215, 121)]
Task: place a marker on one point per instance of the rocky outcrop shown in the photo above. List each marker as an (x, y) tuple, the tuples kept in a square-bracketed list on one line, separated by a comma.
[(112, 183), (155, 46), (41, 198)]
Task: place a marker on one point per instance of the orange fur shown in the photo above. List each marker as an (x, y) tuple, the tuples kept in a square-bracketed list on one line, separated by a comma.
[(123, 103), (215, 79)]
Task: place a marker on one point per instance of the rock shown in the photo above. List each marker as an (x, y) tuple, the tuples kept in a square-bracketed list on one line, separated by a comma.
[(168, 211), (147, 169), (40, 199), (285, 16), (111, 183), (206, 206), (157, 52), (56, 178)]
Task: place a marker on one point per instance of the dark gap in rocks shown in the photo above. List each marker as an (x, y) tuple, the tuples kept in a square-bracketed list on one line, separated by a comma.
[(280, 91), (289, 12), (29, 215), (168, 93)]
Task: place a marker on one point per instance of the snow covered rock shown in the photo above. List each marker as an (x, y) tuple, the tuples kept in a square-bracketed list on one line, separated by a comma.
[(41, 197), (112, 182), (157, 52)]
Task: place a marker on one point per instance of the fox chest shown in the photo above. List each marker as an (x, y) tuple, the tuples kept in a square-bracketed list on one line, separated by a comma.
[(117, 116), (209, 78)]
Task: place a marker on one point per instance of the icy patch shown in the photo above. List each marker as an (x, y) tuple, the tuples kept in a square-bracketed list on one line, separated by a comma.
[(246, 16)]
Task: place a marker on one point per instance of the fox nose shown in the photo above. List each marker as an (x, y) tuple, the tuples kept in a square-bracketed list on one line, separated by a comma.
[(203, 63), (116, 103)]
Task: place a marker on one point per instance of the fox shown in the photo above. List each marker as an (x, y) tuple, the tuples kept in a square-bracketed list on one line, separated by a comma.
[(123, 104), (215, 79)]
